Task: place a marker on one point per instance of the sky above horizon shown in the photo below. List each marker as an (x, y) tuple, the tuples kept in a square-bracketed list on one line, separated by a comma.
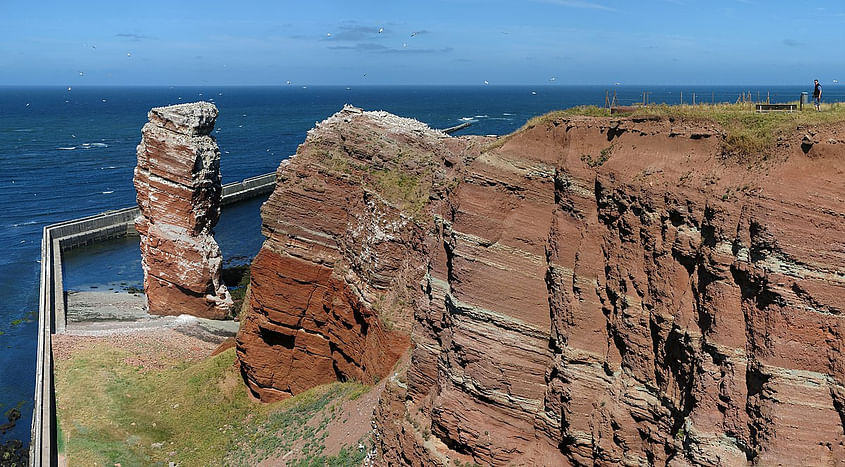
[(433, 42)]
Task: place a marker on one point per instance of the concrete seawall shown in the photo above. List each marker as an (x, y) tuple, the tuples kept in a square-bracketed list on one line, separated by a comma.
[(63, 236)]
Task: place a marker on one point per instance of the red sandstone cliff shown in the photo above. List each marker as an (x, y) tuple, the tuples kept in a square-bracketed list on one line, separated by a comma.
[(177, 181), (593, 290)]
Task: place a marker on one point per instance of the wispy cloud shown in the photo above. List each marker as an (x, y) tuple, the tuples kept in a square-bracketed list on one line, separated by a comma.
[(363, 46), (356, 32), (382, 49), (444, 50), (132, 36), (579, 4)]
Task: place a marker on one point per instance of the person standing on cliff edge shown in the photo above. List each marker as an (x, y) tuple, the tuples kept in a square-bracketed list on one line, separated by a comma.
[(817, 96)]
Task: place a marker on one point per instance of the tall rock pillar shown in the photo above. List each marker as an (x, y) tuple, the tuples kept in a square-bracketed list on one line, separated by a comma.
[(177, 181)]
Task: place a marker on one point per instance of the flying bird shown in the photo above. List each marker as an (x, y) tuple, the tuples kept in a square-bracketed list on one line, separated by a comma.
[(328, 34), (486, 82), (380, 30), (553, 78), (413, 34), (287, 82)]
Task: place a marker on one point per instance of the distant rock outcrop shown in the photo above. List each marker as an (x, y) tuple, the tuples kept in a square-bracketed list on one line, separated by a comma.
[(587, 291), (178, 185)]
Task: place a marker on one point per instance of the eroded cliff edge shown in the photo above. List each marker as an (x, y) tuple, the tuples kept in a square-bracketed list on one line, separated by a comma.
[(587, 289)]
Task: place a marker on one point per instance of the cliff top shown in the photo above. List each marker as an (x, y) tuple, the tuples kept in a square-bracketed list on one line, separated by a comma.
[(746, 132), (192, 119)]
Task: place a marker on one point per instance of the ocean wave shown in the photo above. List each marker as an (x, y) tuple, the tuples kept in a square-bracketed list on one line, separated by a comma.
[(108, 192), (93, 145), (505, 113), (108, 168), (480, 116), (467, 119), (21, 224), (26, 130), (69, 148)]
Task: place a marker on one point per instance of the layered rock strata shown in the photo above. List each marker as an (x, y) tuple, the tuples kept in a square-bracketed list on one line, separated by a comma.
[(331, 290), (177, 181), (587, 290)]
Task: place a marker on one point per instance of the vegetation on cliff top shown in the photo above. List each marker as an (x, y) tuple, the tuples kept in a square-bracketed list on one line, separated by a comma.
[(112, 412), (747, 133), (404, 181)]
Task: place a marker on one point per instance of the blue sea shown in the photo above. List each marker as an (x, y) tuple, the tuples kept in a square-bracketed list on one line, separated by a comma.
[(70, 152)]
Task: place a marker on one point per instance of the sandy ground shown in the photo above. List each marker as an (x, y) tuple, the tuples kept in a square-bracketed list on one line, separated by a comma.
[(121, 320), (106, 314)]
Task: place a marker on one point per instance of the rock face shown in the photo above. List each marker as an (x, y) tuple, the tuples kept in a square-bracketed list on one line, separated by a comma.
[(177, 181), (330, 289), (587, 290)]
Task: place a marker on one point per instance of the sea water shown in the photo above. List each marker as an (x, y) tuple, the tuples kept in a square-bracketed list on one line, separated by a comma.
[(70, 152)]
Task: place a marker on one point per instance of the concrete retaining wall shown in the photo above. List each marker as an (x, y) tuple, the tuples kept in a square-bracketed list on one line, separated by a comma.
[(63, 236), (248, 188)]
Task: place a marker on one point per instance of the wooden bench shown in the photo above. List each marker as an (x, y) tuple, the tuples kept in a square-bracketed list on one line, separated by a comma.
[(765, 108)]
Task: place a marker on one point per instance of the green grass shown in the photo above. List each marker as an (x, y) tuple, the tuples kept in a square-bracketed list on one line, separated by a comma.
[(282, 429), (194, 414), (405, 190), (748, 134), (604, 155)]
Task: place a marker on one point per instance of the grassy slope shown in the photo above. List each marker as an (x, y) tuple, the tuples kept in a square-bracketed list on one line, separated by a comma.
[(747, 133), (194, 414)]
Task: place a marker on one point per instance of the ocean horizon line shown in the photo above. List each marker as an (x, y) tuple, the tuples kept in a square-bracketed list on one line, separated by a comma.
[(400, 85)]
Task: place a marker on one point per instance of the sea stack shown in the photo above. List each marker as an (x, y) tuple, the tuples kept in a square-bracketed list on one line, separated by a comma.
[(177, 181)]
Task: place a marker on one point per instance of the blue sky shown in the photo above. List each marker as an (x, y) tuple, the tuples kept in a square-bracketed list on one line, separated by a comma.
[(421, 42)]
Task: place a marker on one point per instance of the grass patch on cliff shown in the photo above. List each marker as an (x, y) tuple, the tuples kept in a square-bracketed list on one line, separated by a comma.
[(189, 413), (404, 189), (746, 132)]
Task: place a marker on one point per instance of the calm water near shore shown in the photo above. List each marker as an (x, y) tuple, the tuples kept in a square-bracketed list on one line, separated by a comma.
[(67, 153)]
